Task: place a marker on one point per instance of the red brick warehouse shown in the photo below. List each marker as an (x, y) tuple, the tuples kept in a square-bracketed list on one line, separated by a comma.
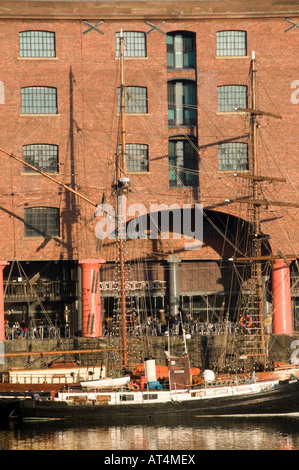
[(188, 91)]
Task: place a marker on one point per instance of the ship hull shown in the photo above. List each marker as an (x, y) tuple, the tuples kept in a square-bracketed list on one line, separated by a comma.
[(284, 399), (9, 407)]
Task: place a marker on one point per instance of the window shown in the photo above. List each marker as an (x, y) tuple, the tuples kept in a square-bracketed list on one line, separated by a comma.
[(231, 97), (41, 156), (41, 222), (150, 396), (127, 398), (180, 50), (233, 156), (182, 163), (231, 43), (37, 44), (181, 103), (135, 100), (39, 100), (134, 44), (137, 157)]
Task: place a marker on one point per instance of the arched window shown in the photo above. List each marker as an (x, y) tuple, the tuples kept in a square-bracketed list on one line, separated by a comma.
[(37, 44), (39, 100), (41, 156)]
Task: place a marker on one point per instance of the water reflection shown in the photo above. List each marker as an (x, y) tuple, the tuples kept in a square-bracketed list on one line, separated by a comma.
[(246, 433)]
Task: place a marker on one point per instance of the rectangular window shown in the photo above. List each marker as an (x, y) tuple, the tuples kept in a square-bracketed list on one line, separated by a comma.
[(232, 97), (37, 44), (134, 44), (182, 163), (181, 103), (150, 396), (42, 222), (135, 100), (127, 398), (180, 50), (231, 43), (41, 156), (136, 157), (39, 100), (233, 156)]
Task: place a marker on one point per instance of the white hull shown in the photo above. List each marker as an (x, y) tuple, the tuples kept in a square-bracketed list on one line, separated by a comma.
[(165, 396)]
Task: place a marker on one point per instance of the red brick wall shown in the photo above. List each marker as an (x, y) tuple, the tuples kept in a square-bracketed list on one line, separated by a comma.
[(95, 71)]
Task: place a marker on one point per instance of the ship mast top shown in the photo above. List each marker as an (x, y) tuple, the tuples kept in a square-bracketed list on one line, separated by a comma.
[(257, 239), (122, 187)]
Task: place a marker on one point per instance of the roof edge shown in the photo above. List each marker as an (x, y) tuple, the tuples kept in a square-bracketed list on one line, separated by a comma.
[(143, 9)]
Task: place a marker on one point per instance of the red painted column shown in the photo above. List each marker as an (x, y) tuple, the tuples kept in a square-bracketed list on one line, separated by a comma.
[(2, 324), (282, 304), (91, 297)]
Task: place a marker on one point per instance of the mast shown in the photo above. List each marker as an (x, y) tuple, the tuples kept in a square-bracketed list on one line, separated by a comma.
[(257, 240), (122, 186)]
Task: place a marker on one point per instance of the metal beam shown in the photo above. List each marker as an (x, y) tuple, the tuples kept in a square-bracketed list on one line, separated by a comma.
[(91, 27)]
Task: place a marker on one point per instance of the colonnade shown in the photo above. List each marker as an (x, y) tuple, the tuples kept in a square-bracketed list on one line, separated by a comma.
[(91, 296)]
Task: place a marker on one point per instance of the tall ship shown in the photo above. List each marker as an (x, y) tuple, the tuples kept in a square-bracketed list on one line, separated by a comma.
[(133, 386), (244, 370)]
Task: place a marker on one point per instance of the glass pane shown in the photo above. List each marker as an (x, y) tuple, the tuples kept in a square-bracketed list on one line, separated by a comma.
[(231, 43), (180, 50), (189, 103), (231, 97), (136, 157), (41, 156), (182, 163), (37, 44), (170, 50), (233, 156), (41, 222), (134, 44), (182, 103), (135, 100), (39, 100)]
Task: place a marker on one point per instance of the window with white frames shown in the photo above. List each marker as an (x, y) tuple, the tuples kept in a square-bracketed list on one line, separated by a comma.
[(37, 44), (231, 43), (180, 50), (136, 157), (135, 100), (134, 44), (42, 156), (232, 97), (233, 156), (41, 222), (182, 162), (39, 100)]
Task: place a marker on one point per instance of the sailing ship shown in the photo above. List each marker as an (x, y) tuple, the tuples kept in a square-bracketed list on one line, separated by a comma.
[(185, 391)]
